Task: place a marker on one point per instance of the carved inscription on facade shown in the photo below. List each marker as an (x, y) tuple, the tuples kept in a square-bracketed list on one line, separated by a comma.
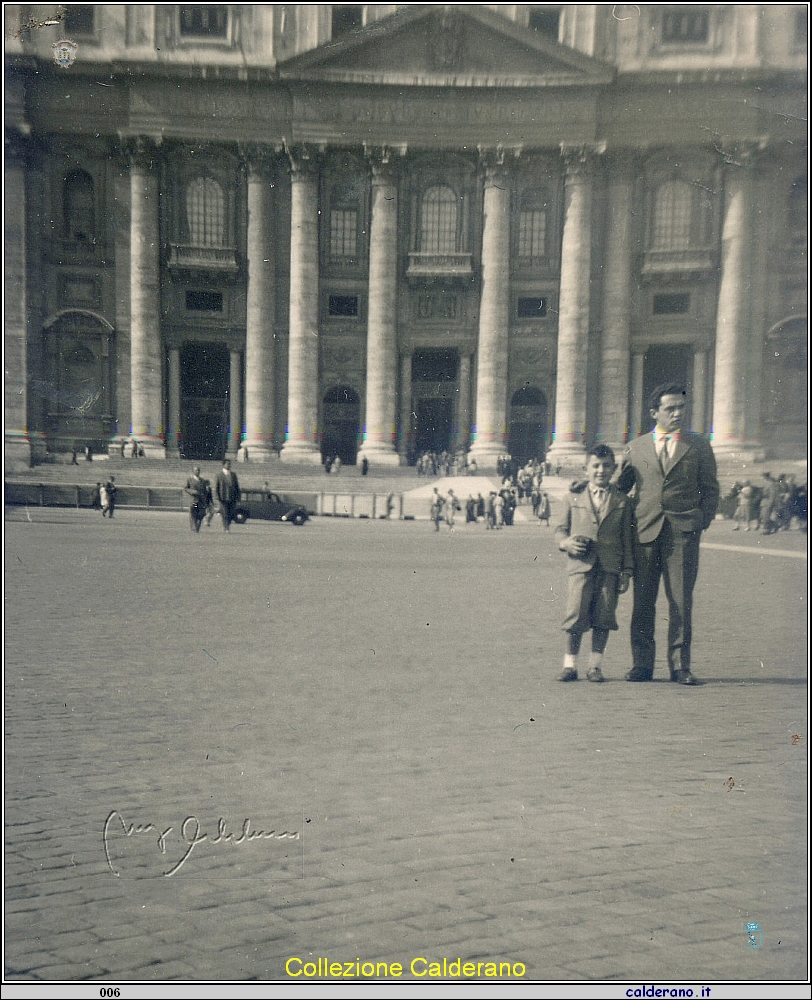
[(436, 305)]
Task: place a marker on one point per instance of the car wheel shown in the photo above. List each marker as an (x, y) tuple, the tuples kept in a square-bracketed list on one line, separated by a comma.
[(241, 516), (299, 519)]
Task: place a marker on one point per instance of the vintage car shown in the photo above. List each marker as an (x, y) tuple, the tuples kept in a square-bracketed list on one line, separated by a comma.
[(266, 506)]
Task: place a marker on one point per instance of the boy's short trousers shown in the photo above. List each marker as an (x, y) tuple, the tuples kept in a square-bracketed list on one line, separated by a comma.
[(591, 600)]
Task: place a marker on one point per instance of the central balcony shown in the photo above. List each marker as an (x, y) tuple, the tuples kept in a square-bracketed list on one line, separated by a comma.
[(212, 260), (440, 266)]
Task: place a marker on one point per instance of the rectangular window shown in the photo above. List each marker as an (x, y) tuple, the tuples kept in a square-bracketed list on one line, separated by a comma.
[(801, 27), (686, 25), (78, 20), (531, 308), (342, 305), (201, 301), (343, 232), (544, 20), (347, 18), (209, 21), (532, 234), (669, 303)]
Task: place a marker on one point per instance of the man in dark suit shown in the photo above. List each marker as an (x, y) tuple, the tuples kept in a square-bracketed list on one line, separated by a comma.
[(227, 489), (671, 474)]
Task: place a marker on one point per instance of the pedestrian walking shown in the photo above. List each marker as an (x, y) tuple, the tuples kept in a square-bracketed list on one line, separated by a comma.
[(196, 489), (112, 490), (436, 509), (105, 500), (227, 488)]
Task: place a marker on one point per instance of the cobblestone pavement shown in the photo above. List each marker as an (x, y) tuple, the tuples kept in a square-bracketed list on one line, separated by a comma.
[(387, 694)]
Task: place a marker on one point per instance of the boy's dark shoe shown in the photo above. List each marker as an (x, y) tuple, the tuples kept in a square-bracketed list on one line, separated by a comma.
[(595, 674), (684, 677), (636, 674), (568, 674)]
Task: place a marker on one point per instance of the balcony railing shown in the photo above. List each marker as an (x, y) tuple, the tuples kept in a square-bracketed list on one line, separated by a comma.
[(217, 259), (694, 261), (440, 265)]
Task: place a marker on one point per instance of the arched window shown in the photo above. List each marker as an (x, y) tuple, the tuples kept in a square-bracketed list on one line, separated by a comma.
[(797, 217), (343, 222), (206, 213), (438, 221), (532, 235), (671, 222), (79, 205)]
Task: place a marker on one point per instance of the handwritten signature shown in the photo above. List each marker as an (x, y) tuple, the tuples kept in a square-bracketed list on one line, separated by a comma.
[(189, 833)]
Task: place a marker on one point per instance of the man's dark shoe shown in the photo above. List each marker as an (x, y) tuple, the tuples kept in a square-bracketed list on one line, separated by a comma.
[(636, 674), (684, 677)]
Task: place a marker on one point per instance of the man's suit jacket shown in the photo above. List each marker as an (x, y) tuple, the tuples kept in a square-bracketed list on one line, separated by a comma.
[(227, 488), (611, 535), (686, 493)]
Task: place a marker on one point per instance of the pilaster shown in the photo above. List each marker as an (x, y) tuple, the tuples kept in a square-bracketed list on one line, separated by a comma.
[(574, 304), (260, 344), (489, 433), (146, 360), (382, 359), (301, 443)]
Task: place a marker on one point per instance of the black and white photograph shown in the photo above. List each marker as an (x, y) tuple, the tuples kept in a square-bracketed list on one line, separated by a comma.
[(481, 330)]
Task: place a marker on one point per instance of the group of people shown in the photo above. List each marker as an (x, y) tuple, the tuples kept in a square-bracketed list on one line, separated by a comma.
[(772, 505), (495, 511), (134, 446), (445, 463), (641, 522), (226, 492)]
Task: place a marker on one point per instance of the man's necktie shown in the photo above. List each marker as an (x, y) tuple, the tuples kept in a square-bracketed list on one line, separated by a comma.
[(665, 440)]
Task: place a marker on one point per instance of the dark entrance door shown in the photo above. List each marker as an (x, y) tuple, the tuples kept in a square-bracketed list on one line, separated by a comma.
[(342, 413), (666, 364), (528, 424), (204, 400), (433, 431)]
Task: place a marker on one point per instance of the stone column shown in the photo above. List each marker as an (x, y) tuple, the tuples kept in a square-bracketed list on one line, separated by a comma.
[(494, 317), (235, 403), (260, 347), (734, 309), (613, 417), (173, 422), (464, 404), (573, 308), (699, 393), (17, 446), (405, 436), (146, 375), (636, 403), (382, 358), (303, 365)]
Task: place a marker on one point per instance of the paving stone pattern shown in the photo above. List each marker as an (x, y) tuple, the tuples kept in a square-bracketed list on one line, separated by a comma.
[(389, 694)]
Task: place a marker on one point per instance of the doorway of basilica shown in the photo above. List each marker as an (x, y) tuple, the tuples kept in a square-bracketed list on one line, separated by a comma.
[(204, 400)]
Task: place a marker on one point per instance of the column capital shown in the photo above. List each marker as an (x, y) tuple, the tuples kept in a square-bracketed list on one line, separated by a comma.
[(18, 146), (141, 151), (745, 153), (303, 160), (383, 160), (621, 160), (579, 158), (495, 164), (259, 158)]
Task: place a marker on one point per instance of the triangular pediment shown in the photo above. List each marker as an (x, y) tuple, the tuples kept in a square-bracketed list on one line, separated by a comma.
[(446, 45)]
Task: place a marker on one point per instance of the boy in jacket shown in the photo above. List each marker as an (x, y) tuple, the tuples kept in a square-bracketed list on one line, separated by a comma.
[(595, 530)]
